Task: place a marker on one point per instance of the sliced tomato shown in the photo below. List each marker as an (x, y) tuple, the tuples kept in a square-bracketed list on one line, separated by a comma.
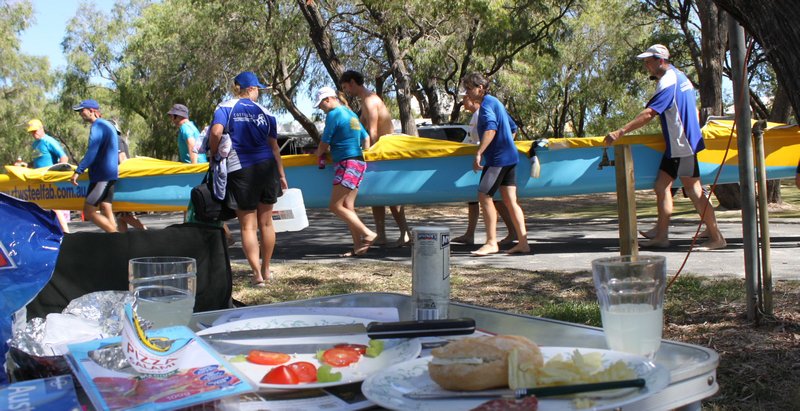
[(359, 348), (280, 375), (340, 357), (268, 357), (305, 371)]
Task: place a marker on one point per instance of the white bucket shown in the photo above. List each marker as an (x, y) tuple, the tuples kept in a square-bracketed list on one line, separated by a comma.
[(289, 213)]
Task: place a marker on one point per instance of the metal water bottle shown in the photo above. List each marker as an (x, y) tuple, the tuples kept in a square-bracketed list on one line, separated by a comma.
[(430, 272)]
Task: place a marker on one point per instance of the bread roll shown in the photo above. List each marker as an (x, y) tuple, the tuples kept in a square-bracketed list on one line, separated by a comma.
[(480, 363)]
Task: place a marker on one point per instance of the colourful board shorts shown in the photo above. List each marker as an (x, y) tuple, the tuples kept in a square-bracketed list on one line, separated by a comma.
[(349, 173)]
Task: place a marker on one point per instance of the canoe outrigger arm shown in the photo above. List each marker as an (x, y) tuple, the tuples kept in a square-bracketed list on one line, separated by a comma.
[(605, 162)]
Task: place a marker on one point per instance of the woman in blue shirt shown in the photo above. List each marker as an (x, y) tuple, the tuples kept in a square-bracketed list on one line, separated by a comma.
[(255, 171), (346, 138), (497, 157)]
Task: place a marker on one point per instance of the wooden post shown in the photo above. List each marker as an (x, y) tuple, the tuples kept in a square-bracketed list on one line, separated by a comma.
[(626, 200)]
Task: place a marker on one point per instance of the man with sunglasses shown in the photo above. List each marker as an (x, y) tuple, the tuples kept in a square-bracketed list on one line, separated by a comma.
[(675, 103)]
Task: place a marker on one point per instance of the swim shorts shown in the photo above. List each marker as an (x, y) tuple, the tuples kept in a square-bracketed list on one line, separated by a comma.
[(494, 177), (349, 173)]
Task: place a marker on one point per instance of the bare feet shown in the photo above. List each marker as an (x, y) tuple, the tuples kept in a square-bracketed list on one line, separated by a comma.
[(486, 249), (704, 234), (508, 240), (521, 248), (464, 239), (713, 244), (650, 234), (654, 243), (379, 240)]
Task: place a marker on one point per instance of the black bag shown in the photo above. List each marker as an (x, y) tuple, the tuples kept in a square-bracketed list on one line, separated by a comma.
[(206, 207)]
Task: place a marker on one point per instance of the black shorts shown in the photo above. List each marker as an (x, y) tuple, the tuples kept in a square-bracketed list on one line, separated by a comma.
[(259, 183), (680, 167), (494, 177), (100, 192)]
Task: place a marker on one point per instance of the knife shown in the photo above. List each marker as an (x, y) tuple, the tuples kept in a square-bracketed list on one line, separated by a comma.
[(522, 392), (374, 330)]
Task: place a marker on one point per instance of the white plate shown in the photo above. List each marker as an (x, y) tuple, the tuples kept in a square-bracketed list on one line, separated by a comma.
[(386, 388), (395, 350)]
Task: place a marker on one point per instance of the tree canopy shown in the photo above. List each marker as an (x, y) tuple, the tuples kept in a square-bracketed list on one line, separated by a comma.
[(563, 68)]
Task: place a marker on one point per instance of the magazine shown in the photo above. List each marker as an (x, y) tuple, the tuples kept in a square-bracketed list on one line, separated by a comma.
[(201, 376), (46, 394)]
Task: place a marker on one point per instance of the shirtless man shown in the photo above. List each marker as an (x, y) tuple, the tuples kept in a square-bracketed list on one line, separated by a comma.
[(378, 121)]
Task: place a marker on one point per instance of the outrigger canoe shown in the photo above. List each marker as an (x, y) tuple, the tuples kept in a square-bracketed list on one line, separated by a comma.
[(413, 170)]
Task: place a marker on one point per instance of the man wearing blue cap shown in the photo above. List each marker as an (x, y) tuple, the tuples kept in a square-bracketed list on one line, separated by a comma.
[(102, 161), (255, 176)]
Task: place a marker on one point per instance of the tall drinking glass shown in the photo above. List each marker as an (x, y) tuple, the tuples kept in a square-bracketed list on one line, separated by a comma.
[(630, 290), (163, 289)]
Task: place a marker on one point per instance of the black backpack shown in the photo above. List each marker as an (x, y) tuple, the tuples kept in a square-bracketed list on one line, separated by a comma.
[(206, 207)]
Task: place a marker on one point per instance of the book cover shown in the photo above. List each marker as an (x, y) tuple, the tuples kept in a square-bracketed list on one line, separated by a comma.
[(201, 376), (46, 394)]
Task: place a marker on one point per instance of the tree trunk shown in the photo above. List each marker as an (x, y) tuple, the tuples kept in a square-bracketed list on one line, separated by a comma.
[(713, 28), (774, 25), (322, 40), (402, 82)]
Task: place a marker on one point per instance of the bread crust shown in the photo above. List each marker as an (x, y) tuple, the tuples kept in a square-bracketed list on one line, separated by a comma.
[(492, 373)]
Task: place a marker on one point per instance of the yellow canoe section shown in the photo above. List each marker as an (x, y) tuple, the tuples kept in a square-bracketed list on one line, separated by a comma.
[(782, 148)]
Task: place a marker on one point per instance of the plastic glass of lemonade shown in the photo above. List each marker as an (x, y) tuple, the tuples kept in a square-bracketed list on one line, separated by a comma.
[(163, 289), (630, 290)]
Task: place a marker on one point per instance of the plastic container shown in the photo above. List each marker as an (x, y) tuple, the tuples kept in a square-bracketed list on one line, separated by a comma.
[(289, 213), (430, 272)]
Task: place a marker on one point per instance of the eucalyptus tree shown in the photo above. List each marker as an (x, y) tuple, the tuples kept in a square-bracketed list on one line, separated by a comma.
[(24, 80), (184, 51), (588, 81)]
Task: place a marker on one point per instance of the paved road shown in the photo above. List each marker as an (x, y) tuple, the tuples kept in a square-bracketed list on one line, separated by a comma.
[(561, 245)]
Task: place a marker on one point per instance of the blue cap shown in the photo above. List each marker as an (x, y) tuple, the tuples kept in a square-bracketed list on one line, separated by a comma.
[(87, 104), (247, 79)]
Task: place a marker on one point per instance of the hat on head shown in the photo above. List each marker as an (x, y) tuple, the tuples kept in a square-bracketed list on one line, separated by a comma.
[(324, 93), (247, 79), (179, 110), (657, 51), (87, 104), (34, 125)]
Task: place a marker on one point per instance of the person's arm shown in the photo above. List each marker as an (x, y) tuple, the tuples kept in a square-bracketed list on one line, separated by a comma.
[(365, 142), (322, 148), (190, 142), (488, 136), (63, 159), (214, 137), (122, 157), (641, 119), (371, 111), (276, 152), (95, 138)]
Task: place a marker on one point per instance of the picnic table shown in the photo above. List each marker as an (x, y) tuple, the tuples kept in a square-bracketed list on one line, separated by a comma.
[(692, 368)]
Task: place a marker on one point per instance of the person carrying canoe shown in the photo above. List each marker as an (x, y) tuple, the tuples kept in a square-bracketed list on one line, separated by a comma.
[(497, 158), (345, 136), (377, 121), (102, 161), (675, 103)]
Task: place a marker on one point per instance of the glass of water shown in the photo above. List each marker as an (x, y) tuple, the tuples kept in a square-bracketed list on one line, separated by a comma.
[(630, 290), (163, 289)]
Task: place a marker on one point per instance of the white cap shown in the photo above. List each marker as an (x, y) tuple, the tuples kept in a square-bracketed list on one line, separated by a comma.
[(657, 51), (324, 93)]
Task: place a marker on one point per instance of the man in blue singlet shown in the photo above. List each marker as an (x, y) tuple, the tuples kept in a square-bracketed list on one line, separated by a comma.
[(674, 102)]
